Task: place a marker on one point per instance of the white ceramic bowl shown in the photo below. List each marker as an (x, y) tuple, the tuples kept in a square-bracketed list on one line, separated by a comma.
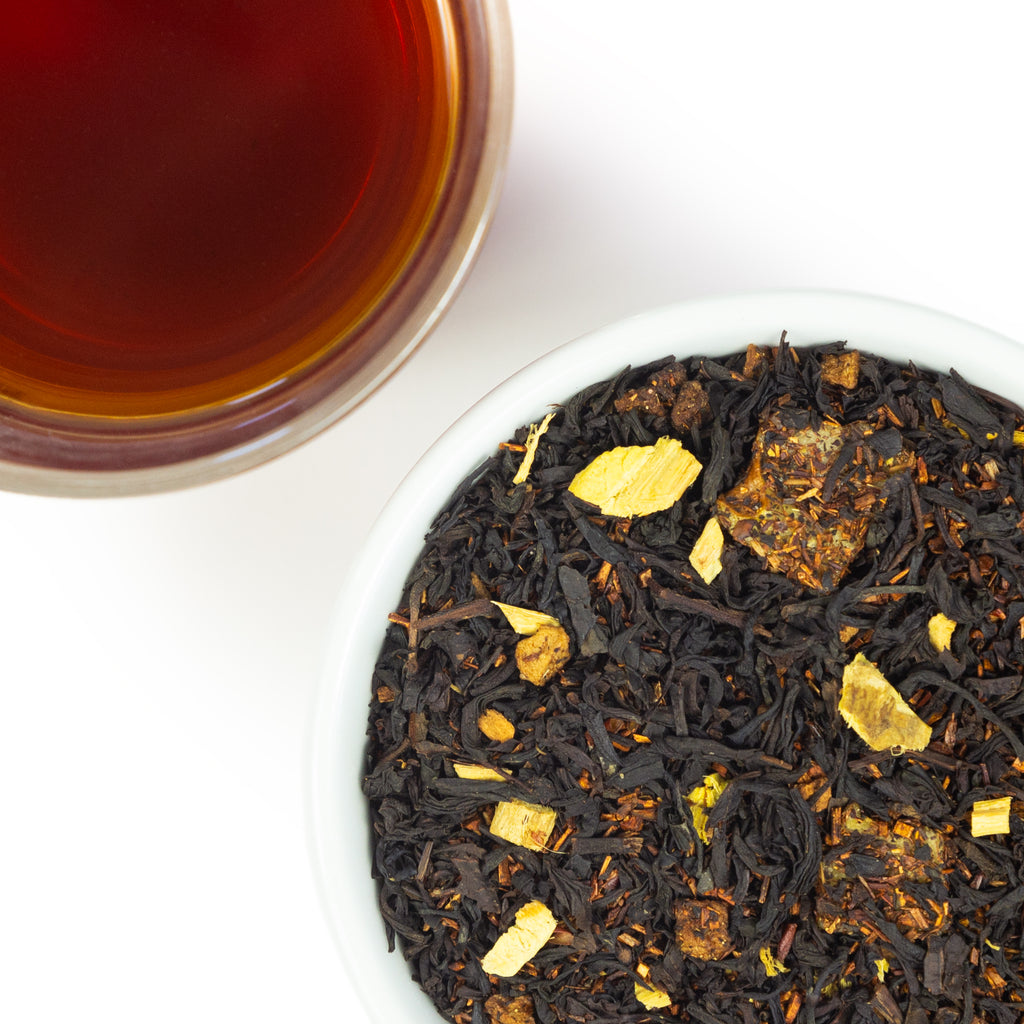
[(339, 822)]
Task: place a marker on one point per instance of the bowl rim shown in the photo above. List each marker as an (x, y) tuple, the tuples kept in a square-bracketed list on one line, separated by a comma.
[(336, 810)]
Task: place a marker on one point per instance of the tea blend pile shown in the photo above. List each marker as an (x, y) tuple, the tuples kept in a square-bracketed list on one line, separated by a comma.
[(704, 702)]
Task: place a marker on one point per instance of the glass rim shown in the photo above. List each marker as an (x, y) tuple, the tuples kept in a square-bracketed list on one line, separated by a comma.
[(73, 455)]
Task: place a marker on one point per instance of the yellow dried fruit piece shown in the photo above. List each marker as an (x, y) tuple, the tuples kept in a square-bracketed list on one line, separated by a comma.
[(524, 824), (873, 708), (706, 556), (515, 948), (542, 655), (940, 631), (525, 621), (650, 997), (991, 817), (532, 439), (701, 799), (638, 480), (773, 966), (480, 772), (495, 726)]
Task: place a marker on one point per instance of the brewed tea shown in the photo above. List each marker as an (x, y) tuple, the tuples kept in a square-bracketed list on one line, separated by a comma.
[(196, 196), (704, 701)]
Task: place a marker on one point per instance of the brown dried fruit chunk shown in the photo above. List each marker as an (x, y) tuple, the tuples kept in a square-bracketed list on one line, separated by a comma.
[(515, 1010), (801, 509), (691, 407), (755, 363), (893, 870), (645, 399), (541, 656), (841, 369), (702, 928)]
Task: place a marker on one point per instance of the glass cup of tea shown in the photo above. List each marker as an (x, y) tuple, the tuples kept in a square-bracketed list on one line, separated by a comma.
[(223, 225)]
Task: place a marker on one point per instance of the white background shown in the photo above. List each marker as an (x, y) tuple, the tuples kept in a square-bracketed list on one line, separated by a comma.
[(160, 655)]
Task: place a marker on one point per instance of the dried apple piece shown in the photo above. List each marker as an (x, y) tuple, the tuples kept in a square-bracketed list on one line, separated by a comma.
[(651, 997), (638, 480), (876, 712), (537, 431), (495, 726), (702, 928), (940, 631), (528, 825), (991, 817), (525, 621), (515, 948), (706, 556), (543, 654), (479, 772)]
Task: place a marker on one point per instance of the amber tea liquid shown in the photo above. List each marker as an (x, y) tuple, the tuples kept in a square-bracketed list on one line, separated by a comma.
[(196, 196)]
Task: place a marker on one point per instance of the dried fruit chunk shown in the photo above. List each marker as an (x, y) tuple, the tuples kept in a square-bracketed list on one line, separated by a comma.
[(638, 480), (495, 726), (841, 369), (691, 407), (800, 508), (991, 817), (514, 1010), (645, 399), (701, 799), (815, 788), (525, 621), (523, 824), (515, 948), (706, 556), (651, 997), (537, 431), (479, 772), (543, 654), (893, 869), (940, 631), (702, 928), (873, 708)]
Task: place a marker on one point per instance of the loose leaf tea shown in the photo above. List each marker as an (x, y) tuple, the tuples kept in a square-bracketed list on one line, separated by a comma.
[(762, 758)]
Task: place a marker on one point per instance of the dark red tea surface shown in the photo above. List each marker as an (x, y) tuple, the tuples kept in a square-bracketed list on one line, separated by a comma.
[(195, 195)]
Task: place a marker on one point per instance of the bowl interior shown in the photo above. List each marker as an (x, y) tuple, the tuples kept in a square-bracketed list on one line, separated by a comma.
[(338, 818)]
